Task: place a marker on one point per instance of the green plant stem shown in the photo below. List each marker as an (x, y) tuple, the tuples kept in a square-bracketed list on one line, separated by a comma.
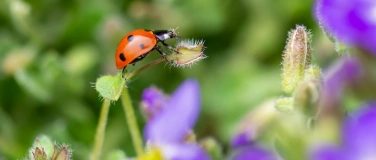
[(132, 122), (99, 136), (130, 75)]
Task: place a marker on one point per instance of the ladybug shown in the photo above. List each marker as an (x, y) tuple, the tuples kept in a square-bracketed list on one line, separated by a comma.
[(137, 44)]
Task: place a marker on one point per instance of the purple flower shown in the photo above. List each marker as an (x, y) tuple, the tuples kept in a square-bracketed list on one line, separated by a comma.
[(252, 152), (241, 139), (168, 128), (347, 71), (351, 21), (152, 101), (358, 138)]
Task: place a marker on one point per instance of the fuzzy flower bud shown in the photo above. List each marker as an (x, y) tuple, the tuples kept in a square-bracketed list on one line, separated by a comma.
[(296, 58), (285, 104), (44, 149), (110, 87), (190, 51), (308, 91), (212, 147)]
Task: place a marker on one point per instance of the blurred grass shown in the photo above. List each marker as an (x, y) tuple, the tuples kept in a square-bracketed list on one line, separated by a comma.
[(52, 50)]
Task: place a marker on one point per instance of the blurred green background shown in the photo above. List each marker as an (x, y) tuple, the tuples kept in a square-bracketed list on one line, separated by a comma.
[(52, 51)]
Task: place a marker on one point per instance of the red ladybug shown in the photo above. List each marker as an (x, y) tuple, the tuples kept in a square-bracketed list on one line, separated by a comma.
[(137, 44)]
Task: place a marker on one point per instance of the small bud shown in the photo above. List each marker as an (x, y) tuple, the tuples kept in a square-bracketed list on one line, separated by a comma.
[(39, 154), (285, 104), (42, 148), (152, 101), (110, 87), (313, 72), (61, 154), (308, 91), (190, 51), (212, 147), (296, 58)]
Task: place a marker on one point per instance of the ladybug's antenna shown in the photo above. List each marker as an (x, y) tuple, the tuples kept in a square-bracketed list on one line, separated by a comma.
[(175, 33), (174, 30)]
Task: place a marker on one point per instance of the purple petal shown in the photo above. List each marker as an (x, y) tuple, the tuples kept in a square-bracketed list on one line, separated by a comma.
[(241, 139), (184, 152), (152, 101), (345, 72), (353, 22), (177, 117), (359, 132), (253, 152), (327, 153)]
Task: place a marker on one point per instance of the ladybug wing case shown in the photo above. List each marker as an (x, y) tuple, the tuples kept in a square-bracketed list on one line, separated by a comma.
[(134, 45)]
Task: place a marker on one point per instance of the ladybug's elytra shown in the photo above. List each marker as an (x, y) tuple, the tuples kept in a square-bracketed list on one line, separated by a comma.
[(137, 44)]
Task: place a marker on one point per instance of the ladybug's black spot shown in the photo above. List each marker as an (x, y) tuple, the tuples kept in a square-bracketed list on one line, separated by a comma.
[(130, 38), (121, 56), (142, 46), (147, 30)]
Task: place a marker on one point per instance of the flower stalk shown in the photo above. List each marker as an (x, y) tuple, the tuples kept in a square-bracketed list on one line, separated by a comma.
[(132, 122), (99, 137), (131, 75)]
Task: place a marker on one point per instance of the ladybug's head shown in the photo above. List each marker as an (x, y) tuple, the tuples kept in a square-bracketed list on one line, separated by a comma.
[(163, 35)]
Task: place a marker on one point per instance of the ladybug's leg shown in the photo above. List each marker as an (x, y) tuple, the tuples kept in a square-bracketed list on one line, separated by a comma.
[(177, 38), (169, 47), (160, 51), (122, 73)]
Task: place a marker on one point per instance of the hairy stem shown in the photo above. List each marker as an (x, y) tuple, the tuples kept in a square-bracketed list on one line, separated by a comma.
[(130, 75), (132, 122), (99, 136)]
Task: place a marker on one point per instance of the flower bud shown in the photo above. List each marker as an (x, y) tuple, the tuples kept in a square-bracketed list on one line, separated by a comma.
[(42, 148), (285, 104), (39, 154), (313, 72), (296, 58), (308, 91), (212, 147), (61, 154), (110, 87), (189, 52), (152, 102)]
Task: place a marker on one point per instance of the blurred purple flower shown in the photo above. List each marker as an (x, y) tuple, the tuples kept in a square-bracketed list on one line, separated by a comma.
[(346, 71), (358, 138), (252, 152), (168, 128), (152, 101), (351, 21), (241, 139)]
